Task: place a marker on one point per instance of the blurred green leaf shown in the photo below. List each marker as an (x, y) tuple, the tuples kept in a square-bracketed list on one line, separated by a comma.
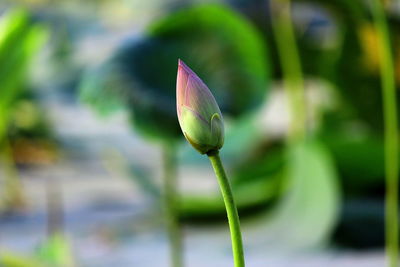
[(20, 39), (219, 44), (56, 252), (13, 260), (226, 51), (360, 162), (19, 42), (307, 213), (103, 88)]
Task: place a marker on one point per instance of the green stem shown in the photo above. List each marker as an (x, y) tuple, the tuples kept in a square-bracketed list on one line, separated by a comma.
[(231, 210), (171, 206), (55, 207), (391, 133), (291, 67), (12, 184)]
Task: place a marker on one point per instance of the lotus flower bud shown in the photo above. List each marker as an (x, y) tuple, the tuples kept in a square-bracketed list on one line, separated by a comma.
[(198, 113)]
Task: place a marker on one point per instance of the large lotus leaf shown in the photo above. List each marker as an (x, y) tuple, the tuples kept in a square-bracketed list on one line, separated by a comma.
[(223, 48), (217, 43), (308, 212)]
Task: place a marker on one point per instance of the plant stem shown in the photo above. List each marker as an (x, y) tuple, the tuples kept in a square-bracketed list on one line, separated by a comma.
[(391, 133), (231, 210), (12, 184), (171, 205), (291, 67), (55, 207)]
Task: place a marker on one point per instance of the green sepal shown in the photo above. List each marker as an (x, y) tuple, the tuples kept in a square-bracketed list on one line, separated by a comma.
[(217, 130)]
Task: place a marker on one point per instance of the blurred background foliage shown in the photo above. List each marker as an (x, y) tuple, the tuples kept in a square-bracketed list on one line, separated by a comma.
[(20, 39), (219, 35), (120, 57)]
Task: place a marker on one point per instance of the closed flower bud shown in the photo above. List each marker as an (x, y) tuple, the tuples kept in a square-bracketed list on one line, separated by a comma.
[(198, 113)]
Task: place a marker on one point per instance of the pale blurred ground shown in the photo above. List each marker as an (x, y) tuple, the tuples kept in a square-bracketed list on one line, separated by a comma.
[(110, 222)]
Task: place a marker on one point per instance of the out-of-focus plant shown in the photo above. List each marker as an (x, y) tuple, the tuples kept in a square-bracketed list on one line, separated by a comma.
[(338, 33), (291, 69), (388, 83), (350, 62), (8, 259), (20, 39), (303, 151), (55, 252), (341, 39), (202, 125), (228, 62), (139, 77), (354, 130), (338, 43)]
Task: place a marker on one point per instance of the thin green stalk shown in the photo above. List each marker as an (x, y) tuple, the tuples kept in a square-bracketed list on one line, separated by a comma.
[(231, 210), (171, 206), (55, 207), (12, 184), (291, 67), (391, 133)]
